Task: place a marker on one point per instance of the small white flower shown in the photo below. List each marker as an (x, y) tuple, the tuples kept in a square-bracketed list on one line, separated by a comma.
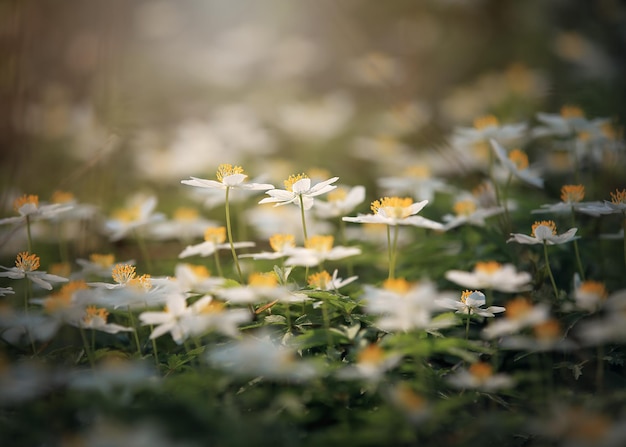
[(137, 214), (520, 313), (516, 163), (544, 232), (228, 176), (323, 281), (396, 211), (371, 365), (26, 266), (480, 376), (469, 211), (28, 207), (318, 249), (340, 202), (470, 304), (299, 189), (214, 239), (571, 201), (491, 275)]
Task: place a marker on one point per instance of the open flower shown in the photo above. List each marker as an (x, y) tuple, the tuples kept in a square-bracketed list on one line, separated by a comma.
[(28, 207), (99, 264), (340, 202), (371, 364), (298, 190), (396, 211), (228, 176), (323, 281), (471, 303), (516, 163), (318, 249), (520, 313), (137, 214), (469, 211), (214, 239), (260, 287), (544, 232), (572, 200), (480, 376), (26, 266), (96, 318), (281, 244), (566, 123), (491, 275)]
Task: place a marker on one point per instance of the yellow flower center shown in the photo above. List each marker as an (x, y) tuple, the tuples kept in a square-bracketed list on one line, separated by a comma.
[(595, 288), (572, 193), (130, 214), (27, 262), (371, 355), (319, 280), (293, 179), (23, 200), (548, 330), (408, 399), (397, 285), (568, 111), (141, 282), (62, 197), (101, 260), (122, 273), (199, 271), (92, 312), (282, 242), (212, 307), (519, 158), (465, 295), (63, 298), (186, 214), (395, 207), (481, 371), (217, 235), (224, 170), (263, 279), (464, 207), (417, 171), (337, 195), (618, 197), (320, 243), (544, 223), (518, 308), (482, 122), (60, 268), (489, 267)]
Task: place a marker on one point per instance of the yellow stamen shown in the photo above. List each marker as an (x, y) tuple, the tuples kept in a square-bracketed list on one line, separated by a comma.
[(122, 273), (102, 260), (95, 312), (489, 267), (466, 294), (293, 179), (572, 193), (199, 271), (62, 197), (464, 207), (397, 285), (23, 200), (27, 262), (263, 279), (396, 207), (544, 223), (212, 307), (337, 195), (141, 282), (618, 197), (548, 330), (319, 280), (482, 122), (568, 111), (519, 158), (224, 170), (594, 287), (186, 214), (518, 307), (417, 171), (130, 214), (320, 243), (282, 242), (372, 355), (217, 235), (481, 371)]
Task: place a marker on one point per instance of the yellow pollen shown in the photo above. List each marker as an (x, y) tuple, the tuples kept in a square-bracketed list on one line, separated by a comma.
[(282, 242), (293, 179), (483, 122), (320, 243), (518, 308), (92, 312), (397, 285), (186, 214), (319, 280), (464, 207), (396, 207), (489, 267), (618, 197), (263, 279), (217, 235), (23, 200), (417, 171), (481, 371), (130, 214), (519, 158), (141, 282), (27, 262), (102, 260), (594, 287), (371, 355), (199, 271), (569, 111), (337, 195), (212, 307), (465, 295), (224, 170), (544, 223), (122, 273), (62, 197), (572, 193), (548, 330)]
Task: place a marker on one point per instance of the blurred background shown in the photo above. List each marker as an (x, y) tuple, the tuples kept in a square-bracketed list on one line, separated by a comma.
[(101, 98)]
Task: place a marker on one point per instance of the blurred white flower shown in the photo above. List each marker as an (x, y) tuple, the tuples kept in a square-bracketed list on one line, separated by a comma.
[(544, 232), (480, 376), (516, 162), (318, 249), (520, 313), (492, 275), (341, 201), (135, 216)]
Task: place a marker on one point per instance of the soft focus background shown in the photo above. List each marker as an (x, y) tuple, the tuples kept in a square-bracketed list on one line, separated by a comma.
[(103, 97)]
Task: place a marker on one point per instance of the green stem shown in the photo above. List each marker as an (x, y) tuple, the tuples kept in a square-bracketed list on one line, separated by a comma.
[(545, 255), (326, 318), (144, 250), (576, 251), (154, 348), (489, 297), (134, 326), (624, 228), (30, 239), (218, 266), (230, 236), (600, 369), (29, 293), (394, 252), (389, 253), (303, 219), (86, 346), (467, 325)]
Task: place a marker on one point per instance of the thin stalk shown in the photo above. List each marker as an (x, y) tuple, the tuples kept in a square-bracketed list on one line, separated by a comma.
[(303, 219), (545, 255), (489, 297), (600, 369), (624, 229), (218, 266), (131, 319), (29, 293), (577, 253), (144, 250), (230, 236), (393, 253), (30, 238), (326, 318), (63, 250), (154, 348), (86, 347), (467, 325)]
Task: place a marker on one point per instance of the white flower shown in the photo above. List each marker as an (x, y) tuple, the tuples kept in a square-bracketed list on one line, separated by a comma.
[(138, 213), (228, 176), (571, 200), (340, 202), (617, 204), (415, 180), (480, 376), (186, 224), (96, 318), (589, 295), (323, 281), (260, 287), (611, 327), (282, 244), (470, 304), (567, 123), (371, 365), (318, 249), (214, 239), (299, 189), (99, 264), (469, 211), (195, 278), (26, 266), (547, 336), (516, 163), (520, 313), (28, 207), (6, 291), (544, 232), (491, 275), (396, 211)]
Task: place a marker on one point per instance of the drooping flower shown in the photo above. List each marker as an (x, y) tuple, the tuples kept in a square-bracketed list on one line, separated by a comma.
[(491, 275), (26, 266), (396, 211), (544, 232), (298, 190)]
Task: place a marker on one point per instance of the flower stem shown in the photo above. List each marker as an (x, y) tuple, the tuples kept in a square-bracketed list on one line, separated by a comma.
[(29, 293), (467, 325), (624, 228), (303, 219), (30, 239), (86, 346), (218, 266), (144, 250), (134, 326), (230, 236), (577, 253), (545, 255)]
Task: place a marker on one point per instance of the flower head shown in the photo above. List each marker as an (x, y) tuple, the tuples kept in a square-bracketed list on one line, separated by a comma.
[(470, 303), (491, 275), (26, 266), (298, 190), (516, 162), (396, 211), (228, 176), (544, 232)]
